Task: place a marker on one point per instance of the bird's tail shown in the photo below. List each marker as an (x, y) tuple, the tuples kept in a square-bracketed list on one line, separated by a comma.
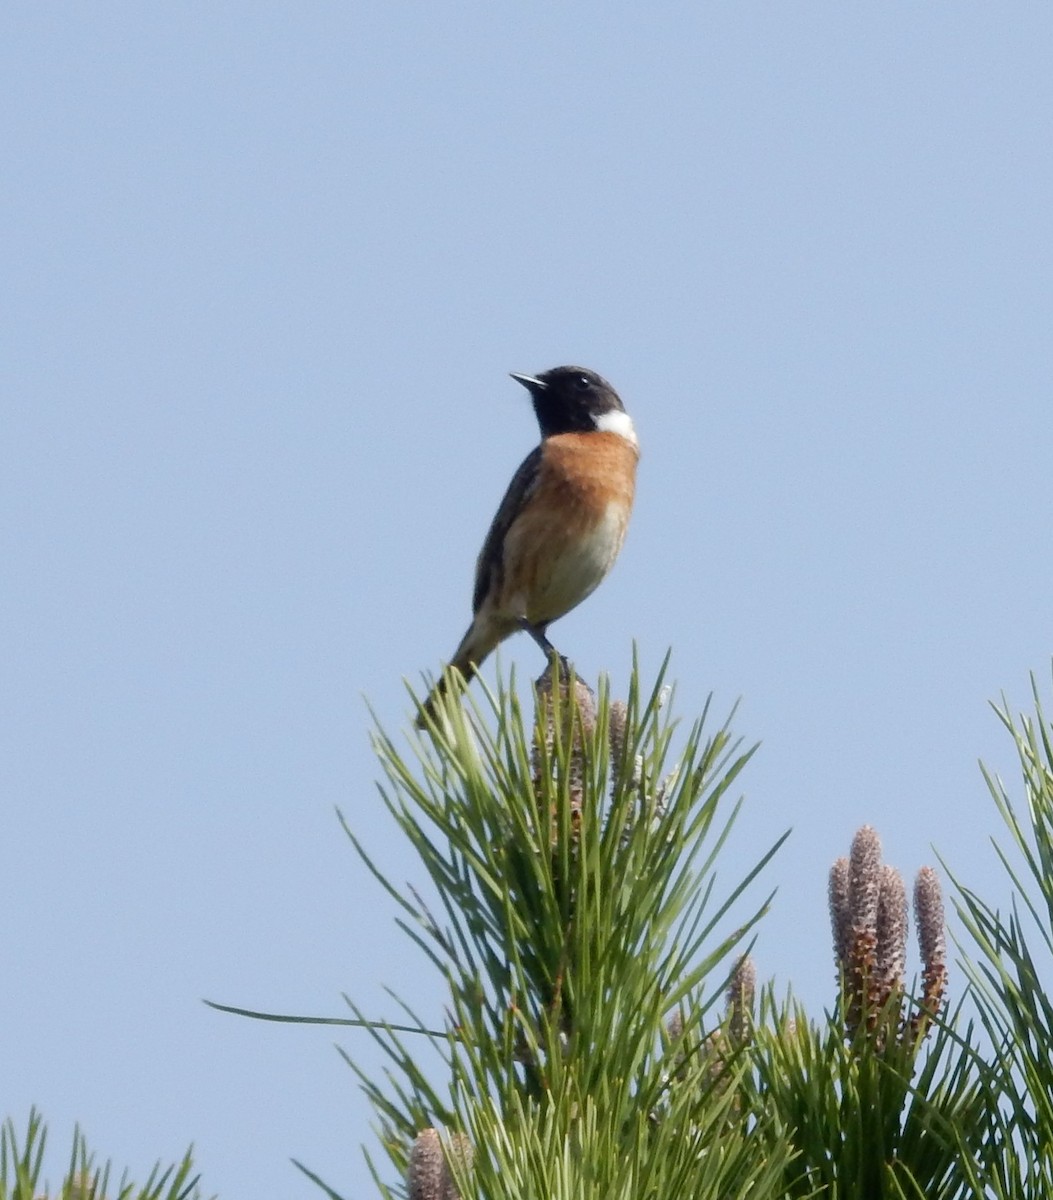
[(476, 645)]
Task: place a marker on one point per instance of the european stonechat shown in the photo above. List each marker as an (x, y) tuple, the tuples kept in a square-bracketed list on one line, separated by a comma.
[(562, 521)]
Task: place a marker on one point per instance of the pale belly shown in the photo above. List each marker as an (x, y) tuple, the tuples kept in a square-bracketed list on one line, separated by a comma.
[(563, 569)]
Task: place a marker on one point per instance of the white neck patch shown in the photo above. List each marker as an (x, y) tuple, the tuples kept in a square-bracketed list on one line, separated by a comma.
[(616, 421)]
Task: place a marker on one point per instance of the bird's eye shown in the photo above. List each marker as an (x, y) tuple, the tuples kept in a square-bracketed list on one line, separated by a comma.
[(582, 383)]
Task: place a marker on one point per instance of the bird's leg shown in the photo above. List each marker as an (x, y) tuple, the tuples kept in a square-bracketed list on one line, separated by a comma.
[(537, 632)]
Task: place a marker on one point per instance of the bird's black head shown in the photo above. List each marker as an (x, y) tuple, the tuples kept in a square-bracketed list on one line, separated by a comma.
[(574, 400)]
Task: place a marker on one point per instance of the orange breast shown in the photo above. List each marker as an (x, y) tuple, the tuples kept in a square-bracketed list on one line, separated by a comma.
[(589, 470), (559, 551)]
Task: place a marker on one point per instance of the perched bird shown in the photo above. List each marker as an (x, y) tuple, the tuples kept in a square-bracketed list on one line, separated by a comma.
[(562, 521)]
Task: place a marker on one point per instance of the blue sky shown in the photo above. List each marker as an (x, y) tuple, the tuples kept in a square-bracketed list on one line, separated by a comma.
[(266, 269)]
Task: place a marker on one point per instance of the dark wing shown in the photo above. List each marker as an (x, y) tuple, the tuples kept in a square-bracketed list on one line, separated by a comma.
[(490, 566)]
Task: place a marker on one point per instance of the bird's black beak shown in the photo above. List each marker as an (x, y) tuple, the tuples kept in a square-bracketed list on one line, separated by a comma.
[(531, 383)]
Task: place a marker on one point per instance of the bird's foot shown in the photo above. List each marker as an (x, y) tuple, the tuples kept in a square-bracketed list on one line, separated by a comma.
[(559, 663)]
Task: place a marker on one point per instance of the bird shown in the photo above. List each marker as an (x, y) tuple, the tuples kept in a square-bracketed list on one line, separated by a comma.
[(561, 524)]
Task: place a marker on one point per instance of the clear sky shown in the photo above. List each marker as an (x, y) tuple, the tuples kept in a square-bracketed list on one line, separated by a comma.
[(265, 269)]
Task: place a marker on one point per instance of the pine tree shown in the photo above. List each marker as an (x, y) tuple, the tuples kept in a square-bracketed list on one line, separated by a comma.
[(605, 1035)]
